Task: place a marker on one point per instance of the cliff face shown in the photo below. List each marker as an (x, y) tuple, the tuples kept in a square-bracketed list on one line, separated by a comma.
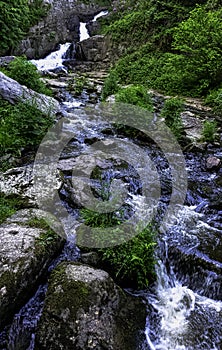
[(59, 26)]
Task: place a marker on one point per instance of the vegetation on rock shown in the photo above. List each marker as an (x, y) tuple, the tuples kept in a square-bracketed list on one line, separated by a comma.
[(17, 16), (22, 127)]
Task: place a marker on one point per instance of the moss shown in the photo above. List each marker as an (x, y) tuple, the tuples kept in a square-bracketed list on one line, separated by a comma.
[(72, 293)]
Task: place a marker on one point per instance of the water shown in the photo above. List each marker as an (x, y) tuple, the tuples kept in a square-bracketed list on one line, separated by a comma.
[(54, 60), (83, 30)]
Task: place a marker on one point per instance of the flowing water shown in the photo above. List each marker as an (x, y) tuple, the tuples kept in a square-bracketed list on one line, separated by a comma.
[(184, 306), (83, 26), (54, 60)]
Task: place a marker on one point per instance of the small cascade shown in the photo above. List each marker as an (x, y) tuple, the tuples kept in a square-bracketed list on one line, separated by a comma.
[(54, 60), (182, 316), (83, 30)]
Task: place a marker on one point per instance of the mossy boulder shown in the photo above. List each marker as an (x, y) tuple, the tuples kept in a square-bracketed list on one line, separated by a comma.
[(26, 250), (84, 309)]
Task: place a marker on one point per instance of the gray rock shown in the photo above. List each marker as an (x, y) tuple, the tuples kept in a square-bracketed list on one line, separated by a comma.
[(13, 92), (25, 256), (84, 309), (4, 61), (93, 49), (212, 163)]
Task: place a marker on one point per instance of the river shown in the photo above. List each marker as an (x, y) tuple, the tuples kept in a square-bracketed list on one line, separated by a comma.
[(184, 307)]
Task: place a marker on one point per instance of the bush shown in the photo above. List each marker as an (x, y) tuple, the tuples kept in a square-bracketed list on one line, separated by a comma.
[(136, 95), (131, 263), (26, 73), (171, 112), (22, 126), (209, 131), (214, 99), (110, 86)]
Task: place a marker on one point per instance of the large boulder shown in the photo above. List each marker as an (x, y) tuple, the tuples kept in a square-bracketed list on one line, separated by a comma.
[(84, 309), (60, 25), (95, 49), (13, 92), (27, 248)]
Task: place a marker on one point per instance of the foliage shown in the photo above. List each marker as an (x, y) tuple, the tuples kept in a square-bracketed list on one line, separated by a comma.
[(110, 86), (209, 132), (22, 126), (132, 263), (214, 99), (17, 16), (198, 39), (171, 46), (171, 112), (26, 73), (135, 95), (8, 206), (77, 84)]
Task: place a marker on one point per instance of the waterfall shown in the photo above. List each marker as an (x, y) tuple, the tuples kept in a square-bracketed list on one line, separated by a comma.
[(53, 60), (83, 30)]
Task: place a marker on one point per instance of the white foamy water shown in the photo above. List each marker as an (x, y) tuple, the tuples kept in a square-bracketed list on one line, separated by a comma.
[(53, 60), (101, 14), (187, 319), (83, 30)]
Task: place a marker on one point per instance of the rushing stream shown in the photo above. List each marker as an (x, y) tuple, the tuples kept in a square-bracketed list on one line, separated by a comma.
[(184, 306)]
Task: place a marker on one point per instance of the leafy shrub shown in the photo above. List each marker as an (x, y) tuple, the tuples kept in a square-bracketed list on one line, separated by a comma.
[(131, 263), (198, 39), (171, 112), (26, 73), (77, 84), (110, 86), (135, 95), (214, 99), (209, 131), (22, 126)]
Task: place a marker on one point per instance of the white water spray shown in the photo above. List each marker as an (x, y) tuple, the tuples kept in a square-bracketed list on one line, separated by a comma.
[(53, 60)]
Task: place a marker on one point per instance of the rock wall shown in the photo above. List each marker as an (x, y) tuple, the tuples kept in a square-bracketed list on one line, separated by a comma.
[(59, 26)]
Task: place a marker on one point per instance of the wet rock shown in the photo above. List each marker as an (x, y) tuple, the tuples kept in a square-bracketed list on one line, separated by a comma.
[(5, 60), (25, 254), (192, 125), (195, 254), (84, 309), (19, 182), (13, 92), (213, 163), (90, 258)]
